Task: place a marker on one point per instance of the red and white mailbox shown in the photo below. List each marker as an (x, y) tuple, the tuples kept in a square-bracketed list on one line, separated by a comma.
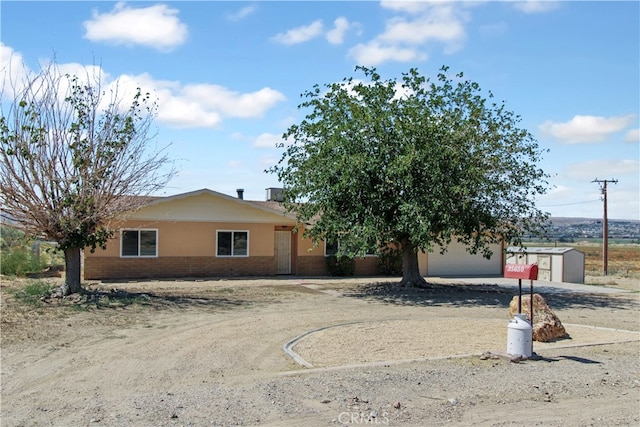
[(521, 271), (527, 272)]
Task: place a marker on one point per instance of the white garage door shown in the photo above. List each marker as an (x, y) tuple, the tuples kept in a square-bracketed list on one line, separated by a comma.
[(458, 262)]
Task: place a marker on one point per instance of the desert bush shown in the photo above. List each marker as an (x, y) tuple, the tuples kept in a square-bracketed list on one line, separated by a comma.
[(33, 292), (20, 254), (341, 266), (390, 261), (19, 261)]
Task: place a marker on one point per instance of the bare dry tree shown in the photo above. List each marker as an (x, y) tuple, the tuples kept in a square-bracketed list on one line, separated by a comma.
[(73, 159)]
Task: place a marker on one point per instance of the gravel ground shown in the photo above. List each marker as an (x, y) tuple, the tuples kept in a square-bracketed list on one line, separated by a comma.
[(210, 353)]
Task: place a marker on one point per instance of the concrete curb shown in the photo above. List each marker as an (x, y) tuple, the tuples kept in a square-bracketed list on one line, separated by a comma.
[(289, 345)]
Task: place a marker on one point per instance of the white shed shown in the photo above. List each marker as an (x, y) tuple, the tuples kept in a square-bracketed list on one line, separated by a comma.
[(554, 264)]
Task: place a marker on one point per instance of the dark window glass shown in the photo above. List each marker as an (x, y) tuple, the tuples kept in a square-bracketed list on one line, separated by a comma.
[(224, 243), (130, 243), (331, 248), (147, 243), (139, 243), (240, 240), (373, 248), (233, 243)]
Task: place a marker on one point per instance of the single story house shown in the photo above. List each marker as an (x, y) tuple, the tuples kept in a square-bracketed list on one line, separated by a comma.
[(207, 234)]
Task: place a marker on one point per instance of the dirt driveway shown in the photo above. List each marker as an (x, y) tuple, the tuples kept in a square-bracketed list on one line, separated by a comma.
[(202, 353)]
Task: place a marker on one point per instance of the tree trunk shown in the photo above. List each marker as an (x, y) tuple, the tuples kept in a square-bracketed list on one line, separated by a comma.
[(72, 271), (410, 271)]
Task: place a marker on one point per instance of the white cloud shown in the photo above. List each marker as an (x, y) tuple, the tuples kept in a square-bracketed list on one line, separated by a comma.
[(231, 103), (420, 24), (374, 53), (406, 6), (16, 75), (202, 105), (305, 33), (155, 26), (336, 35), (586, 128), (632, 135), (267, 140), (536, 6), (623, 201), (13, 70), (440, 24), (242, 13), (603, 168), (300, 34)]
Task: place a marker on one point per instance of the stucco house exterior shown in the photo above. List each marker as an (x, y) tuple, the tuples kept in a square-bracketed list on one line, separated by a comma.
[(207, 234)]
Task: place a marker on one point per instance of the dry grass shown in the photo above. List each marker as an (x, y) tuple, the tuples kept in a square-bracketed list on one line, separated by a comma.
[(624, 260)]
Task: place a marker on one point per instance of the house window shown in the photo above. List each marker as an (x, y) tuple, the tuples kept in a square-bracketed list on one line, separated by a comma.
[(373, 250), (232, 243), (139, 243), (331, 248)]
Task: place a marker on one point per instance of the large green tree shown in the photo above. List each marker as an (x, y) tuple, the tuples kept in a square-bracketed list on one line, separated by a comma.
[(413, 162), (73, 158)]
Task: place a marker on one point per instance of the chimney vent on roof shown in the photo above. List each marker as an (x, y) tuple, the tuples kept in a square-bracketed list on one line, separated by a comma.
[(274, 194), (240, 192)]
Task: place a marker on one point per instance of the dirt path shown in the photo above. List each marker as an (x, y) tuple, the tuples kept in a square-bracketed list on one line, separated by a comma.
[(210, 353)]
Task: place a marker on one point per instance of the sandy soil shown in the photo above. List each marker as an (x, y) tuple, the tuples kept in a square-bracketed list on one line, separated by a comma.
[(196, 353)]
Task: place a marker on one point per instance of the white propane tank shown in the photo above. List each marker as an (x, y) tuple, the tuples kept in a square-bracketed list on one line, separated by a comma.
[(519, 336)]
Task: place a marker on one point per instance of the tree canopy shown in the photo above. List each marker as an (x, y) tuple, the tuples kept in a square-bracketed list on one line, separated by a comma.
[(73, 158), (414, 162)]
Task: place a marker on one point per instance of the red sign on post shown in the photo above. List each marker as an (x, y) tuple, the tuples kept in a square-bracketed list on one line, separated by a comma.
[(521, 271)]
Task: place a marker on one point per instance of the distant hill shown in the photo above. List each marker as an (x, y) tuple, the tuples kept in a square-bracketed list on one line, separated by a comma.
[(571, 229), (577, 220)]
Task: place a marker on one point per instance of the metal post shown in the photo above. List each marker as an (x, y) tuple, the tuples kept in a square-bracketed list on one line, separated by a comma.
[(531, 312), (519, 296), (531, 303)]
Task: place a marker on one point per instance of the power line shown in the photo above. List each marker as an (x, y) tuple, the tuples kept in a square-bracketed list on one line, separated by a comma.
[(568, 204)]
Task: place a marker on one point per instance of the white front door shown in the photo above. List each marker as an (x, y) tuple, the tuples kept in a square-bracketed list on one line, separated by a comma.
[(283, 252)]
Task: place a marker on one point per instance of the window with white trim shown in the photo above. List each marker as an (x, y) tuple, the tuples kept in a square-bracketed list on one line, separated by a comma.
[(232, 243), (331, 248), (138, 243)]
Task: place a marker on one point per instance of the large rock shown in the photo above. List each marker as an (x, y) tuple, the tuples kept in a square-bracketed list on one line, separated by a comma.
[(546, 325)]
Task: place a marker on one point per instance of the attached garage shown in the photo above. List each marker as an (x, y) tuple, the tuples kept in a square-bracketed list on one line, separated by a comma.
[(458, 262)]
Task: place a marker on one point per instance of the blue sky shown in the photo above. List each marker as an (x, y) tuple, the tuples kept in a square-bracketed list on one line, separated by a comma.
[(228, 75)]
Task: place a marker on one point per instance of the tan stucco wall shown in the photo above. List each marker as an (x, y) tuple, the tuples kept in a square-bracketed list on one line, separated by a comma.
[(193, 239), (307, 248)]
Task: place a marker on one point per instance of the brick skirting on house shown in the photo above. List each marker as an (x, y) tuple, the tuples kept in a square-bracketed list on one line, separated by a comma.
[(105, 268), (145, 268)]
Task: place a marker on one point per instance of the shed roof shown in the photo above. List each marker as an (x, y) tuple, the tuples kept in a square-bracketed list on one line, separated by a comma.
[(540, 250)]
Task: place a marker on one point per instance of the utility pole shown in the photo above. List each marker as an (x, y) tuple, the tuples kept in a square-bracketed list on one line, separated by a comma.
[(605, 224)]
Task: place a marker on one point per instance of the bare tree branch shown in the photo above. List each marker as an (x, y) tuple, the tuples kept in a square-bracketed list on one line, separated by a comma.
[(73, 157)]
